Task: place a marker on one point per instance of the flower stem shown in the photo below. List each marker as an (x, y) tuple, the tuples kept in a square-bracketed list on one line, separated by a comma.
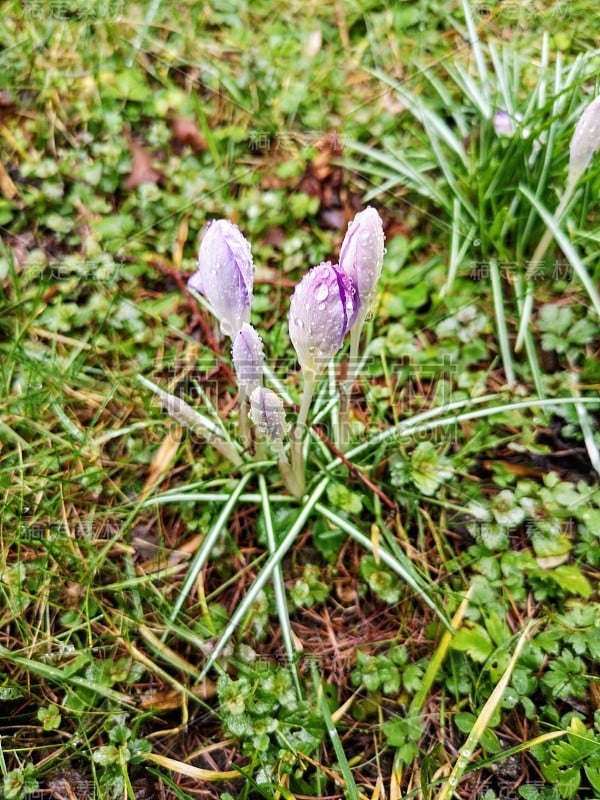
[(297, 470), (342, 434), (243, 421)]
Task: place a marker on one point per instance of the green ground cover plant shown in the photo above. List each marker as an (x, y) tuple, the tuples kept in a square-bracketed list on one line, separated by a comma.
[(402, 600)]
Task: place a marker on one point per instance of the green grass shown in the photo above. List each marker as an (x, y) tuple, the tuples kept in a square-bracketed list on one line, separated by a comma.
[(172, 619)]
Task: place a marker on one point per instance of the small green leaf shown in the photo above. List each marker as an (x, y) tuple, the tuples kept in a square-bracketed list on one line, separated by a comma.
[(566, 495), (411, 677), (572, 580), (555, 319), (114, 226), (593, 776), (107, 755), (474, 641), (344, 499), (490, 742), (20, 782), (49, 717), (427, 469), (464, 721), (58, 223), (10, 693), (383, 583)]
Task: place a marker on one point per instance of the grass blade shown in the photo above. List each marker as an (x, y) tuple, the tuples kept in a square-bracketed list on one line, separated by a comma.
[(456, 254), (481, 723), (586, 428), (201, 557), (501, 328), (279, 587), (400, 167), (405, 571), (265, 574), (197, 773), (438, 657), (351, 791), (555, 231), (57, 676), (534, 364), (425, 115), (477, 51), (533, 402)]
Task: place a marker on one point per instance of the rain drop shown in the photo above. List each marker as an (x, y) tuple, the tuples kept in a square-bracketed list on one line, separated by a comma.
[(322, 293)]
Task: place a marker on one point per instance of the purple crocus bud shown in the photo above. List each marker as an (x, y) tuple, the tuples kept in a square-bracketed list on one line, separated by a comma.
[(585, 141), (503, 124), (224, 274), (248, 359), (268, 415), (361, 256), (323, 308)]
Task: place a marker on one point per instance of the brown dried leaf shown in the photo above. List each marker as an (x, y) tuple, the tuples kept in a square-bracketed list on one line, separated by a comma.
[(7, 186), (163, 458), (330, 149), (142, 170), (170, 699), (6, 99), (186, 134), (397, 227), (275, 237)]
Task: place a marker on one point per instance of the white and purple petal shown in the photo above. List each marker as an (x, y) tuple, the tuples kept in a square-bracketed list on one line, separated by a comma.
[(361, 255), (323, 308), (225, 274), (248, 359)]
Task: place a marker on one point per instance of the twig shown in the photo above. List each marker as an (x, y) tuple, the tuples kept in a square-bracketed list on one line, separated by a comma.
[(354, 471)]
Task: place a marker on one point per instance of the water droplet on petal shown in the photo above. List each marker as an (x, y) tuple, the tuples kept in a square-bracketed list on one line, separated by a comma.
[(322, 293)]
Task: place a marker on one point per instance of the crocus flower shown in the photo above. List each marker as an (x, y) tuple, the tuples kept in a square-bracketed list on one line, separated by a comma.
[(507, 125), (248, 359), (268, 415), (503, 124), (585, 141), (361, 256), (323, 308), (225, 274)]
